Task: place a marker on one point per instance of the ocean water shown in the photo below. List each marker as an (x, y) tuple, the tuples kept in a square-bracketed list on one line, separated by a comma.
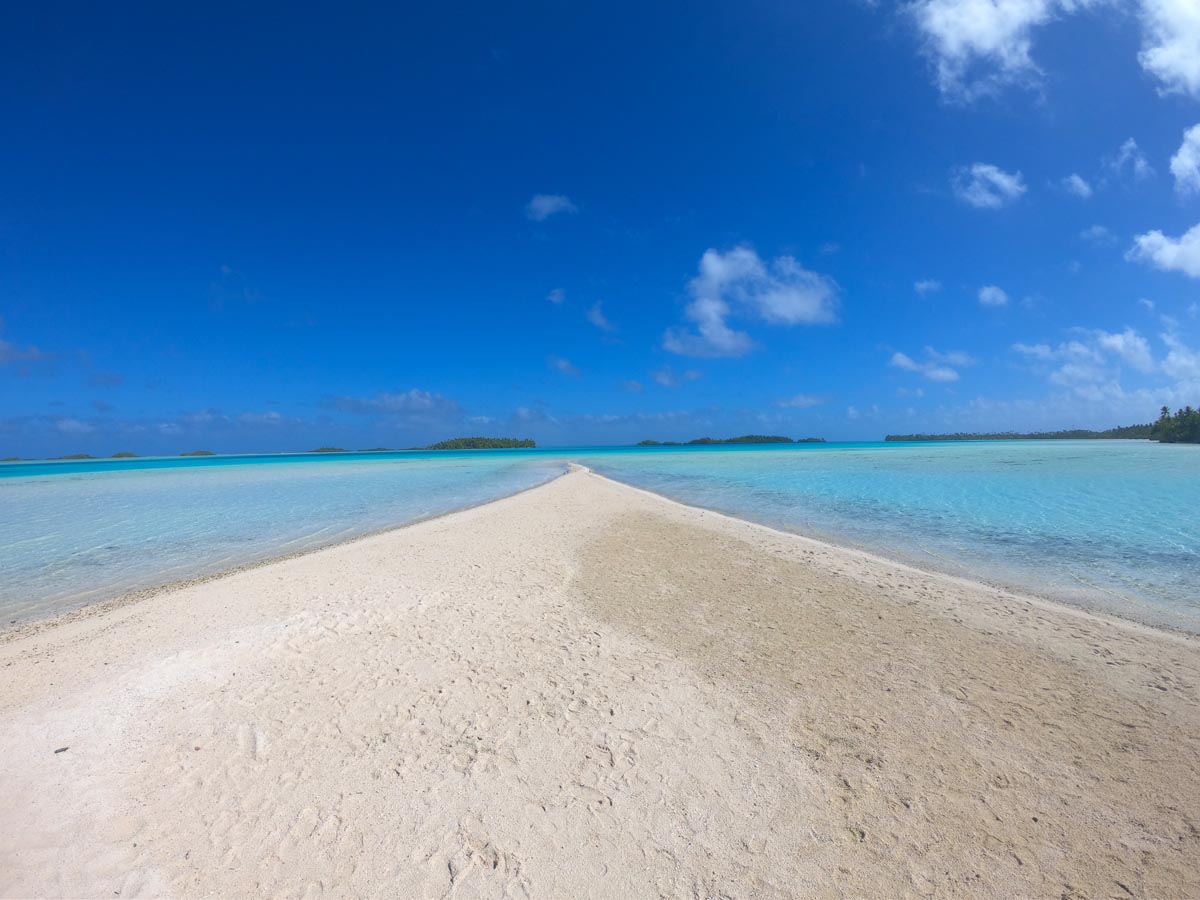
[(72, 533), (1113, 526), (1109, 525)]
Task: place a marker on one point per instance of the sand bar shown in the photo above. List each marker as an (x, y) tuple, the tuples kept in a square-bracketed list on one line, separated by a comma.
[(588, 691)]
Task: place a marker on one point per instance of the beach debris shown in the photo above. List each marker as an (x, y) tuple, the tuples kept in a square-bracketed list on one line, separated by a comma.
[(62, 749)]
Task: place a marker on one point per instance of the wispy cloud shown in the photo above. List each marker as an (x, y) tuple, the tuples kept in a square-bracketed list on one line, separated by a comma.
[(1097, 234), (927, 286), (935, 366), (1129, 161), (992, 295), (1185, 164), (543, 206), (595, 315), (561, 365), (801, 401), (11, 353), (1076, 185), (1091, 357), (557, 296), (985, 186), (412, 401), (781, 292), (106, 379)]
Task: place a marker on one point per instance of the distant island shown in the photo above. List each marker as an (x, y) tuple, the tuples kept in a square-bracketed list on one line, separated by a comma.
[(1181, 428), (198, 453), (743, 439), (1128, 432), (482, 443), (77, 456), (124, 454), (329, 450)]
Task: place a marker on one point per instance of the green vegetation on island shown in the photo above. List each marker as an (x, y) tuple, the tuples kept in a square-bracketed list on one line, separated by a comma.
[(1181, 428), (482, 443), (330, 450), (742, 439), (198, 453), (11, 459), (1127, 432), (77, 456), (124, 454)]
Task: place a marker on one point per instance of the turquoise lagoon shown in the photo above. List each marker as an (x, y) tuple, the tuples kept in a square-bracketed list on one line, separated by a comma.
[(1108, 525)]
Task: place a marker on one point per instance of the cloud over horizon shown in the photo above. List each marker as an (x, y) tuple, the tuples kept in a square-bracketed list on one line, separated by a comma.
[(740, 283)]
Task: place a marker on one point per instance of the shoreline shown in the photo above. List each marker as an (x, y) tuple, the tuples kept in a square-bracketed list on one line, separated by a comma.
[(964, 581), (100, 607), (104, 606), (693, 704)]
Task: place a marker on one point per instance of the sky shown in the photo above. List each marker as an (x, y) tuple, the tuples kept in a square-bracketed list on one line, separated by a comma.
[(254, 227)]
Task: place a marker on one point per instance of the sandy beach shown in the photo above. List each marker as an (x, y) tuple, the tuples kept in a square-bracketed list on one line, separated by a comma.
[(585, 690)]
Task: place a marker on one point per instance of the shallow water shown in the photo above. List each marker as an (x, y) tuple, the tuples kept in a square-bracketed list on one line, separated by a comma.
[(1109, 525), (85, 532)]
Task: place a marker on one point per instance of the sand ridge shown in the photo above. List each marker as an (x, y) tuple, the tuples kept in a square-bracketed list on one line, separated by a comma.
[(586, 690)]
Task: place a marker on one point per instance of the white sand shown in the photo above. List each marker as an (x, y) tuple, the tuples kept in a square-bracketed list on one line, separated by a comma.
[(588, 691)]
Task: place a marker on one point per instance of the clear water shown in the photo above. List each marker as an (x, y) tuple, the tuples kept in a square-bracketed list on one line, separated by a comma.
[(1110, 525), (71, 533)]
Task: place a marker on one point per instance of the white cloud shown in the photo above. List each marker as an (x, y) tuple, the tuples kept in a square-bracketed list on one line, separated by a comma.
[(405, 402), (270, 418), (556, 296), (1185, 164), (1130, 156), (596, 316), (980, 46), (781, 292), (1180, 254), (561, 365), (632, 385), (985, 186), (992, 295), (665, 377), (927, 286), (801, 401), (1038, 351), (1091, 359), (936, 366), (73, 426), (1181, 362), (1075, 184), (11, 353), (1129, 346), (1171, 44), (1097, 234), (852, 413), (543, 206)]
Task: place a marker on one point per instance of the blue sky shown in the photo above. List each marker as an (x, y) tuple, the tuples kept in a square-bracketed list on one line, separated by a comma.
[(593, 223)]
